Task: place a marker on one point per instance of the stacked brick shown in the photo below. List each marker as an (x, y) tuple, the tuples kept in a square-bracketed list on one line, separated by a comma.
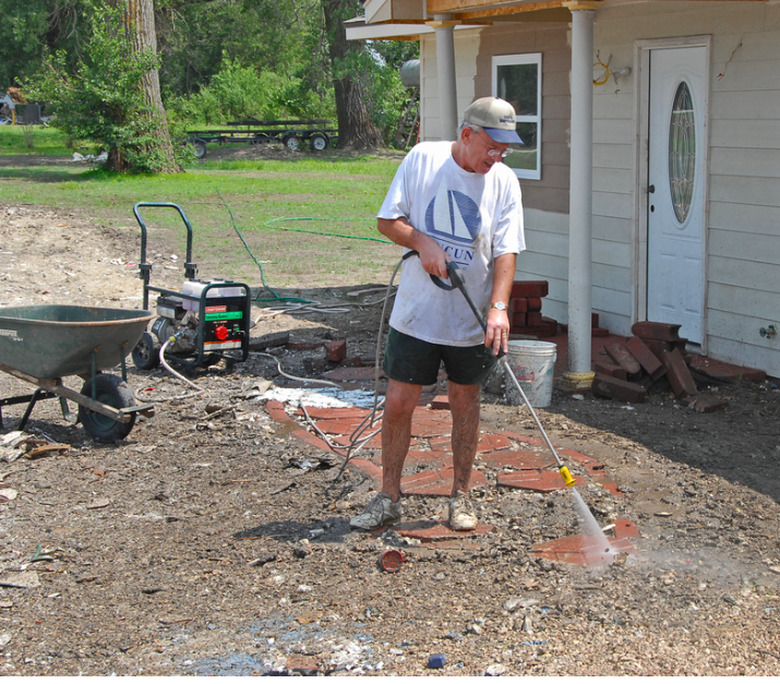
[(525, 310), (654, 358)]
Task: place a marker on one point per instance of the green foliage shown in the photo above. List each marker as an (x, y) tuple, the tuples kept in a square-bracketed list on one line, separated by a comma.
[(377, 66), (102, 101), (277, 37), (272, 201), (238, 93), (386, 96), (31, 30), (218, 61), (394, 53), (238, 59)]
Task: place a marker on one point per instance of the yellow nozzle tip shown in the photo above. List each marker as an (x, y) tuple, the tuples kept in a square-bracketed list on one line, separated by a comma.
[(568, 480)]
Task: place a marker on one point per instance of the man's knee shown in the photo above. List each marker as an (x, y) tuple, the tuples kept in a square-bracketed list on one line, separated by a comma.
[(400, 401), (463, 396)]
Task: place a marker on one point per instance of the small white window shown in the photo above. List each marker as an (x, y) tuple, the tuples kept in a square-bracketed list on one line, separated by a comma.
[(518, 80)]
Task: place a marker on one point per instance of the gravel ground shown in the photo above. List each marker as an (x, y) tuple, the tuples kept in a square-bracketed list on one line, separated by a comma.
[(212, 541)]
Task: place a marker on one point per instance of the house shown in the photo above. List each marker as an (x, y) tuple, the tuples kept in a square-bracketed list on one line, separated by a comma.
[(651, 166)]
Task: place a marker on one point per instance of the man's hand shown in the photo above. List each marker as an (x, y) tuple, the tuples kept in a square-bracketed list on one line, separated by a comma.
[(432, 256), (433, 259), (497, 333)]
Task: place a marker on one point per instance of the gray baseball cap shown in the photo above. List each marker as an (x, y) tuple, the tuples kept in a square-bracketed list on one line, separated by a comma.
[(496, 116)]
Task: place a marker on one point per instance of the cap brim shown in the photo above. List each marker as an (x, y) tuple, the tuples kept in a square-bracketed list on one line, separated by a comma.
[(501, 135)]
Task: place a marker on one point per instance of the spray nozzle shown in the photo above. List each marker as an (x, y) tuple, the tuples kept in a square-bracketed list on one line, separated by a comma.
[(568, 479)]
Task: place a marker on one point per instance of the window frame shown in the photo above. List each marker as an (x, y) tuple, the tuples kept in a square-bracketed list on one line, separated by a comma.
[(522, 59)]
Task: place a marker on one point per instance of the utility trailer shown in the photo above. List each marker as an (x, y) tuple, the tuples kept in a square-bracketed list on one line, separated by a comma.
[(319, 134)]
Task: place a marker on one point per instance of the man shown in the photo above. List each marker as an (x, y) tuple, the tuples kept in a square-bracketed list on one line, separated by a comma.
[(449, 201)]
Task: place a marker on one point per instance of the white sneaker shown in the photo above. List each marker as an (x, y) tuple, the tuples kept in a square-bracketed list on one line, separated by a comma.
[(382, 510), (462, 515)]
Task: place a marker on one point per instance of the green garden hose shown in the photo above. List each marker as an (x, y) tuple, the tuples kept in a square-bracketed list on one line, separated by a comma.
[(271, 224)]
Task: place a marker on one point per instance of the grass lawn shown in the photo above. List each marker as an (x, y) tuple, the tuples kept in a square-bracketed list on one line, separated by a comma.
[(309, 220)]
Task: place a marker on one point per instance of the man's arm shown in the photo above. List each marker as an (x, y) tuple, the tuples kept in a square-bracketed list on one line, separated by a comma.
[(432, 256), (497, 333)]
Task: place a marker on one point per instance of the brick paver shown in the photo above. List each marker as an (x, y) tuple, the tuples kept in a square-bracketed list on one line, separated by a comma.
[(524, 462)]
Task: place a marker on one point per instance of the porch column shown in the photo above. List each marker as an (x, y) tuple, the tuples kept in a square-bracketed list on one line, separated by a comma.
[(444, 28), (579, 374)]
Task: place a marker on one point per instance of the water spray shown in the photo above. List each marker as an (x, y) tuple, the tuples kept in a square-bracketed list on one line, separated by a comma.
[(583, 511)]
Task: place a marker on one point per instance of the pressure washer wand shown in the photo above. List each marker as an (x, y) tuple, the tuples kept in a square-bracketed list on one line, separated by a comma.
[(457, 280)]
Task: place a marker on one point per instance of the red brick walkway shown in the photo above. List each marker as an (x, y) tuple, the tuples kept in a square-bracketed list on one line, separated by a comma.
[(525, 462)]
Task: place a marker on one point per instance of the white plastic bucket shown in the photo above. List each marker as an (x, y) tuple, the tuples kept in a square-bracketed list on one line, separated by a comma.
[(533, 363)]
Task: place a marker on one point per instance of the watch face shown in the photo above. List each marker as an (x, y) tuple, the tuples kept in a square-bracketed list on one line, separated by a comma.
[(500, 306)]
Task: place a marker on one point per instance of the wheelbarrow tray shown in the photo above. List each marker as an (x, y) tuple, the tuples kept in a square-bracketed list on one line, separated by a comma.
[(54, 341)]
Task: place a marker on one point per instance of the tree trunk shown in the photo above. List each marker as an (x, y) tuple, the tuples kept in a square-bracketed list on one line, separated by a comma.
[(139, 16), (356, 130)]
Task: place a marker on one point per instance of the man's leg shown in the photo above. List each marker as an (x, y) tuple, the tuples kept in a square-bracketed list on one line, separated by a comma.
[(400, 401), (385, 508), (464, 405)]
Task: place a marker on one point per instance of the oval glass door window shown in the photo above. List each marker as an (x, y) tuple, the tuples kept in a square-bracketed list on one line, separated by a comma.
[(682, 152)]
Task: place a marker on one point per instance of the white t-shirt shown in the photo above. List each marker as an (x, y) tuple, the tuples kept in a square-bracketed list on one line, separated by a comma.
[(474, 217)]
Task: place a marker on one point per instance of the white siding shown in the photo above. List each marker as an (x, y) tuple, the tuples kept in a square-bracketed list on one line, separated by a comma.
[(743, 220), (547, 239)]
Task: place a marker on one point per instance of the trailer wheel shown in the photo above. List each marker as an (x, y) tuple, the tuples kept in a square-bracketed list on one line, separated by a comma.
[(292, 142), (112, 391), (319, 142), (146, 354), (199, 148)]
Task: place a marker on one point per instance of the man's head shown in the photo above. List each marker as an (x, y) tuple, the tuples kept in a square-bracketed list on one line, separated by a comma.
[(485, 134)]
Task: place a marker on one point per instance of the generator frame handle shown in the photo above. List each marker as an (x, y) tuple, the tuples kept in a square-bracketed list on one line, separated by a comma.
[(145, 269)]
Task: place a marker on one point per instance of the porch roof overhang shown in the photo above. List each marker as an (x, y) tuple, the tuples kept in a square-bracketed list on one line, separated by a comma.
[(466, 11), (409, 19), (359, 29)]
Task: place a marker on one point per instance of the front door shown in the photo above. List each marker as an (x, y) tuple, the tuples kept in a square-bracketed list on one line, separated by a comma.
[(676, 184)]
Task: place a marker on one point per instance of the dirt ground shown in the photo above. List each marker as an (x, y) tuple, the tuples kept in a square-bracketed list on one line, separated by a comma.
[(212, 541)]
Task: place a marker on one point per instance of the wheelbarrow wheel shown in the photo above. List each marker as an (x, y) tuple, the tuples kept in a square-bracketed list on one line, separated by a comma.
[(112, 391), (146, 354)]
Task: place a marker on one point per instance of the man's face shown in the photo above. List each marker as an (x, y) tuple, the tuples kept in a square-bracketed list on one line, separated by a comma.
[(481, 151)]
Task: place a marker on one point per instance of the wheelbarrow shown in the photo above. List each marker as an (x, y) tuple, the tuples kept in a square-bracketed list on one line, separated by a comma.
[(44, 343)]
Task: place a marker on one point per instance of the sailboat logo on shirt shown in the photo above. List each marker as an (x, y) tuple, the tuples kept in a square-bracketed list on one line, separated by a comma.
[(453, 215), (452, 218)]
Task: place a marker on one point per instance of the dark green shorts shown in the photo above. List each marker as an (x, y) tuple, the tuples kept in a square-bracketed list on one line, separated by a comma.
[(416, 362)]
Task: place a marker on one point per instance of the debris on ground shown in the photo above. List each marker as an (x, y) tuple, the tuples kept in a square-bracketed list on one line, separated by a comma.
[(214, 540)]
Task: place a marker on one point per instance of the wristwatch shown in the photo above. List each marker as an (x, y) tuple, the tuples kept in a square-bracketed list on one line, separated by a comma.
[(498, 305)]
